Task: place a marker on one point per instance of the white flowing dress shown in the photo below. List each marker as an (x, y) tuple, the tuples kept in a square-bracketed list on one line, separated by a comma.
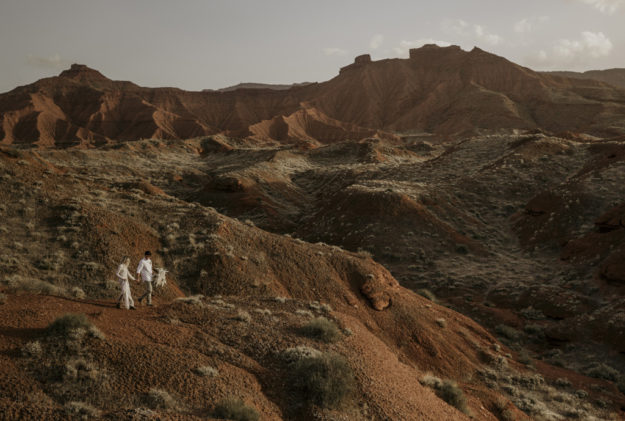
[(122, 276)]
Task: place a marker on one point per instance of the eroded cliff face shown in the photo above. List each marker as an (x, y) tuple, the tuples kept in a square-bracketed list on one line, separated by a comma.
[(441, 90)]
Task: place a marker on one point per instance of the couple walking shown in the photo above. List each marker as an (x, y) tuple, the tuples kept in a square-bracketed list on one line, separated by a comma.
[(144, 271)]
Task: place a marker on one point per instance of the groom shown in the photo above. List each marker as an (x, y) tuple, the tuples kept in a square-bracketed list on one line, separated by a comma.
[(144, 272)]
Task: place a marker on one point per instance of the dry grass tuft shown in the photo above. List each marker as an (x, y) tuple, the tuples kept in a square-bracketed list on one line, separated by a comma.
[(322, 329), (17, 283), (206, 371), (243, 316), (82, 410), (160, 399), (447, 390), (292, 355)]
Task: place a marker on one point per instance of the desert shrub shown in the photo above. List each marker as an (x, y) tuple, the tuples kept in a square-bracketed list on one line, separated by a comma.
[(80, 369), (462, 249), (494, 360), (243, 316), (562, 382), (16, 282), (96, 333), (524, 357), (451, 393), (3, 298), (78, 293), (510, 390), (293, 355), (534, 329), (158, 398), (430, 381), (193, 300), (508, 332), (602, 371), (506, 413), (321, 328), (364, 253), (235, 409), (424, 292), (528, 381), (65, 325), (263, 311), (82, 409), (447, 390), (47, 263), (326, 380), (31, 349), (531, 313), (206, 371), (305, 313), (317, 306)]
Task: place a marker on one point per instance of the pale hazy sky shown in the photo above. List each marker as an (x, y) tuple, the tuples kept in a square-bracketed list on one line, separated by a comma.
[(195, 44)]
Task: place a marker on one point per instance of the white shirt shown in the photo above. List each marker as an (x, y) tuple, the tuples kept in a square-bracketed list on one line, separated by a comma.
[(145, 270), (123, 274)]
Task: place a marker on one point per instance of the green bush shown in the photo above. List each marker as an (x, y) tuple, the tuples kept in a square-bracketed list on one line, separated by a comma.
[(325, 380), (64, 325), (235, 409), (321, 328)]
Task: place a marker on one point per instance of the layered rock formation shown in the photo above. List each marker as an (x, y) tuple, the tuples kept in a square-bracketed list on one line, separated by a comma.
[(441, 90)]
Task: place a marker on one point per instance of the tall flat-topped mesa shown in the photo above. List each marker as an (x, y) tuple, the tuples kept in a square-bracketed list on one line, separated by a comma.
[(360, 60)]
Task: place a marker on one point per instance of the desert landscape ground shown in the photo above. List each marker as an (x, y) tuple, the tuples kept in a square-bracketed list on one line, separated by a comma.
[(433, 238)]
